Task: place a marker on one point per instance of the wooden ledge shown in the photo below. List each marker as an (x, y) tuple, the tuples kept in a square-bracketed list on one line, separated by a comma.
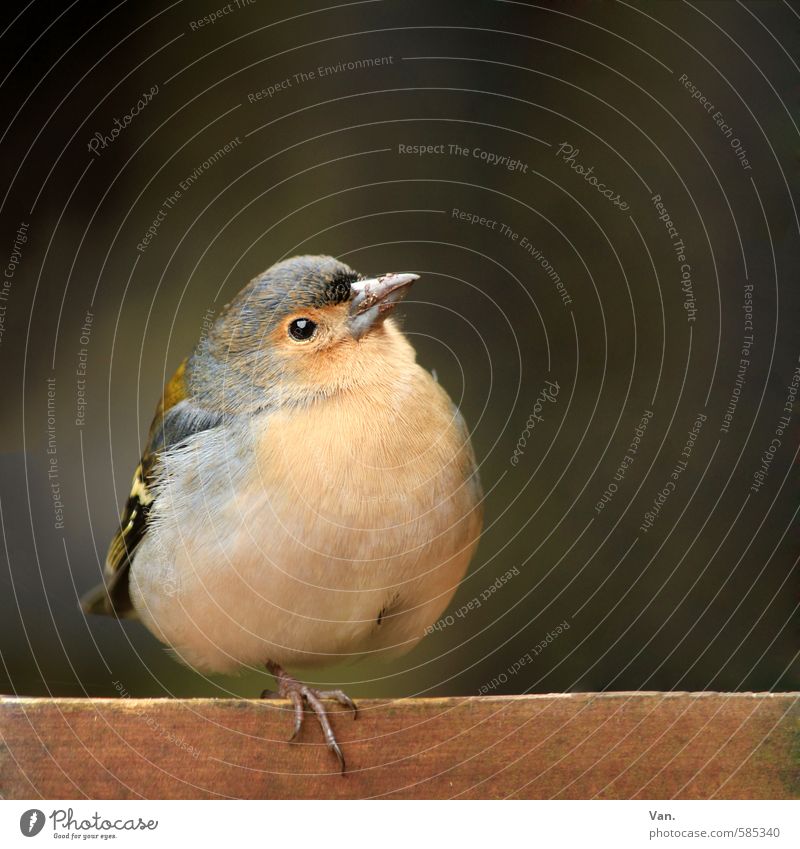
[(580, 745)]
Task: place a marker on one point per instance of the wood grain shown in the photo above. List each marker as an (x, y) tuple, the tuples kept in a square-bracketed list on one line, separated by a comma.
[(611, 746)]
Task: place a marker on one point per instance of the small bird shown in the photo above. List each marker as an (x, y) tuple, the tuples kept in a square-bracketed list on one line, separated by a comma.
[(308, 493)]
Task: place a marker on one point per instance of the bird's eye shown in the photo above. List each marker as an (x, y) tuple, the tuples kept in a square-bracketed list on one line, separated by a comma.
[(302, 329)]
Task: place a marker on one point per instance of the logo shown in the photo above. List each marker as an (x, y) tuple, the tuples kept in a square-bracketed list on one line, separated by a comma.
[(31, 822)]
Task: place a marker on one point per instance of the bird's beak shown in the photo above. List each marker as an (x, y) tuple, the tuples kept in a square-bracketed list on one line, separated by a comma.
[(374, 299)]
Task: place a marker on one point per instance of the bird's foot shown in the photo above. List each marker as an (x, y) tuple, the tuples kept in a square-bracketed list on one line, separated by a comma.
[(300, 695)]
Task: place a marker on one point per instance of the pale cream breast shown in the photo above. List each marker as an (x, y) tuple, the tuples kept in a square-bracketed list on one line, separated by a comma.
[(343, 528)]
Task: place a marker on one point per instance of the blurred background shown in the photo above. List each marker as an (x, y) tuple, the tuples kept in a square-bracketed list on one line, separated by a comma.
[(606, 200)]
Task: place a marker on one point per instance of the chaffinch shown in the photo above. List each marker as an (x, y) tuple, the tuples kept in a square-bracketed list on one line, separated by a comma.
[(308, 493)]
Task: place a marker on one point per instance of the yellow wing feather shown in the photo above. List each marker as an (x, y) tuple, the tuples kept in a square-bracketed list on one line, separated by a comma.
[(112, 596)]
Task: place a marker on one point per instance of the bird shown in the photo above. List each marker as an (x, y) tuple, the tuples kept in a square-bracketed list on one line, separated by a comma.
[(308, 494)]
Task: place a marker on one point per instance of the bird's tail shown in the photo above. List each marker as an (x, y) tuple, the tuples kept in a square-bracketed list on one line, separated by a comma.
[(100, 600), (97, 600)]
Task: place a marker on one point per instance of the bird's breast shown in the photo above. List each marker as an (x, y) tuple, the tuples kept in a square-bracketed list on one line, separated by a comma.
[(362, 462), (344, 528)]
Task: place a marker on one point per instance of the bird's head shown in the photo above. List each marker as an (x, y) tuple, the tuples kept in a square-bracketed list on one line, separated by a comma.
[(305, 328)]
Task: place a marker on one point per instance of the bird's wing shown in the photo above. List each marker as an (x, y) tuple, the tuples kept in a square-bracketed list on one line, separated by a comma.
[(176, 419)]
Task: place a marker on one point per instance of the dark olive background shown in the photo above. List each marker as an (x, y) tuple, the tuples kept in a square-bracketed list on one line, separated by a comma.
[(707, 598)]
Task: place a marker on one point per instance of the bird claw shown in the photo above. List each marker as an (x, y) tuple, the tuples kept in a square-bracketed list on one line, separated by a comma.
[(338, 752), (301, 695), (340, 697), (297, 703)]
